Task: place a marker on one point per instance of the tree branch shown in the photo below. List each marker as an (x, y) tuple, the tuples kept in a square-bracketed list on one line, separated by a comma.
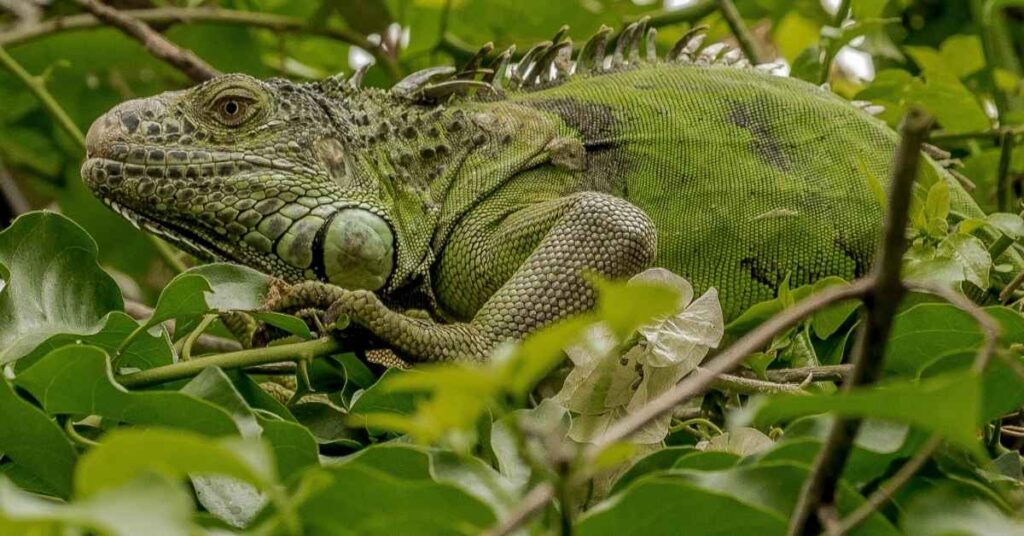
[(869, 349), (157, 45), (175, 15), (824, 373)]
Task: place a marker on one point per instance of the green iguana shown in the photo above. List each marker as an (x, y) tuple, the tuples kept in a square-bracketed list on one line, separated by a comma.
[(481, 195)]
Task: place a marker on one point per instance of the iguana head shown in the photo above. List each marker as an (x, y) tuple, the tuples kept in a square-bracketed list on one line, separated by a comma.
[(256, 172)]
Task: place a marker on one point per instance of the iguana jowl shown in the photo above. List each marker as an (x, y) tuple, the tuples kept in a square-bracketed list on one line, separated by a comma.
[(486, 208)]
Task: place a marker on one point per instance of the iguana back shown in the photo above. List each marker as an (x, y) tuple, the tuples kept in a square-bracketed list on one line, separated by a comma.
[(748, 177)]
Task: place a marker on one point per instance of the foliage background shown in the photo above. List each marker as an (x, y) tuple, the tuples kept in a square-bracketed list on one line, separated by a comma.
[(81, 451)]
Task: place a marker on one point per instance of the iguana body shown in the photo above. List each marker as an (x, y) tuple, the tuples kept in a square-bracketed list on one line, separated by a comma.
[(486, 209)]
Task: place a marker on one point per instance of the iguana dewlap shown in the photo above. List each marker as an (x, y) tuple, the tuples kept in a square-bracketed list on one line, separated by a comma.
[(486, 208)]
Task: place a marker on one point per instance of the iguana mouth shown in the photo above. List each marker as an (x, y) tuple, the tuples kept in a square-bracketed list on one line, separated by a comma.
[(187, 239)]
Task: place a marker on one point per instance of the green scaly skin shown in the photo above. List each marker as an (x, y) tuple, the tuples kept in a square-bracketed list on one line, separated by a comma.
[(485, 210)]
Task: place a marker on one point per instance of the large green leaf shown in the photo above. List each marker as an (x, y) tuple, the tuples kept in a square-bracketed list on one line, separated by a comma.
[(77, 380), (125, 454), (363, 500), (36, 444), (956, 397), (148, 505), (776, 486), (668, 504), (147, 351), (51, 283)]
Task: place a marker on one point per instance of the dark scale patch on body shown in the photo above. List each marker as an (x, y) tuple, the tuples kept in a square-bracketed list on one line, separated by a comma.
[(595, 122), (605, 163), (861, 261), (766, 145), (766, 273)]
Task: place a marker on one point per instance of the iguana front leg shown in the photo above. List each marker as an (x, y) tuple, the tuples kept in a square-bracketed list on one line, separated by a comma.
[(584, 232)]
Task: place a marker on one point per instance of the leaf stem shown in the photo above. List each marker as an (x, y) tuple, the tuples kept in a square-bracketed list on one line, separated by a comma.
[(232, 360), (190, 339)]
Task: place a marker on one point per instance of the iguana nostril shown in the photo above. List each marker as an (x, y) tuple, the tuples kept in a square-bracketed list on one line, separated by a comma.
[(99, 135)]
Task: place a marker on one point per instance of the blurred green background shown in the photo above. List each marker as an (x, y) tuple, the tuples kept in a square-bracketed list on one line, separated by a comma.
[(958, 58)]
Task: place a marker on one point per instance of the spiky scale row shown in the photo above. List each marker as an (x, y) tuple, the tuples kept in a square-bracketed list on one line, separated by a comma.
[(551, 62)]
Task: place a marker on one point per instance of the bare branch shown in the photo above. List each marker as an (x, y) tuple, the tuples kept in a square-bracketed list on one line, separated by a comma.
[(1007, 292), (157, 45), (869, 349), (824, 373), (175, 15), (535, 501)]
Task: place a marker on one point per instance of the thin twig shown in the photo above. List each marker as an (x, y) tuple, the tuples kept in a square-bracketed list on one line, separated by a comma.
[(747, 41), (1010, 288), (691, 386), (869, 349), (889, 488), (38, 88), (159, 46), (824, 373), (750, 386), (176, 15), (993, 134), (538, 499)]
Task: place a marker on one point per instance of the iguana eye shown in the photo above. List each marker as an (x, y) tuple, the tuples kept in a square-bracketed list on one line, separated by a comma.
[(232, 110)]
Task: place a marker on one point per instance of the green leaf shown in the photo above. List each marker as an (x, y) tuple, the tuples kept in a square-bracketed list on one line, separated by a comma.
[(659, 460), (413, 506), (181, 300), (233, 286), (147, 505), (936, 206), (650, 506), (627, 306), (972, 256), (125, 454), (51, 283), (147, 351), (77, 380), (288, 323), (35, 443), (776, 487), (956, 397), (943, 511), (925, 332)]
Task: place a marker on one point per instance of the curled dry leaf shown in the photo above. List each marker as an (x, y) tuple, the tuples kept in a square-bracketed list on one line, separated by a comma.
[(605, 386)]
